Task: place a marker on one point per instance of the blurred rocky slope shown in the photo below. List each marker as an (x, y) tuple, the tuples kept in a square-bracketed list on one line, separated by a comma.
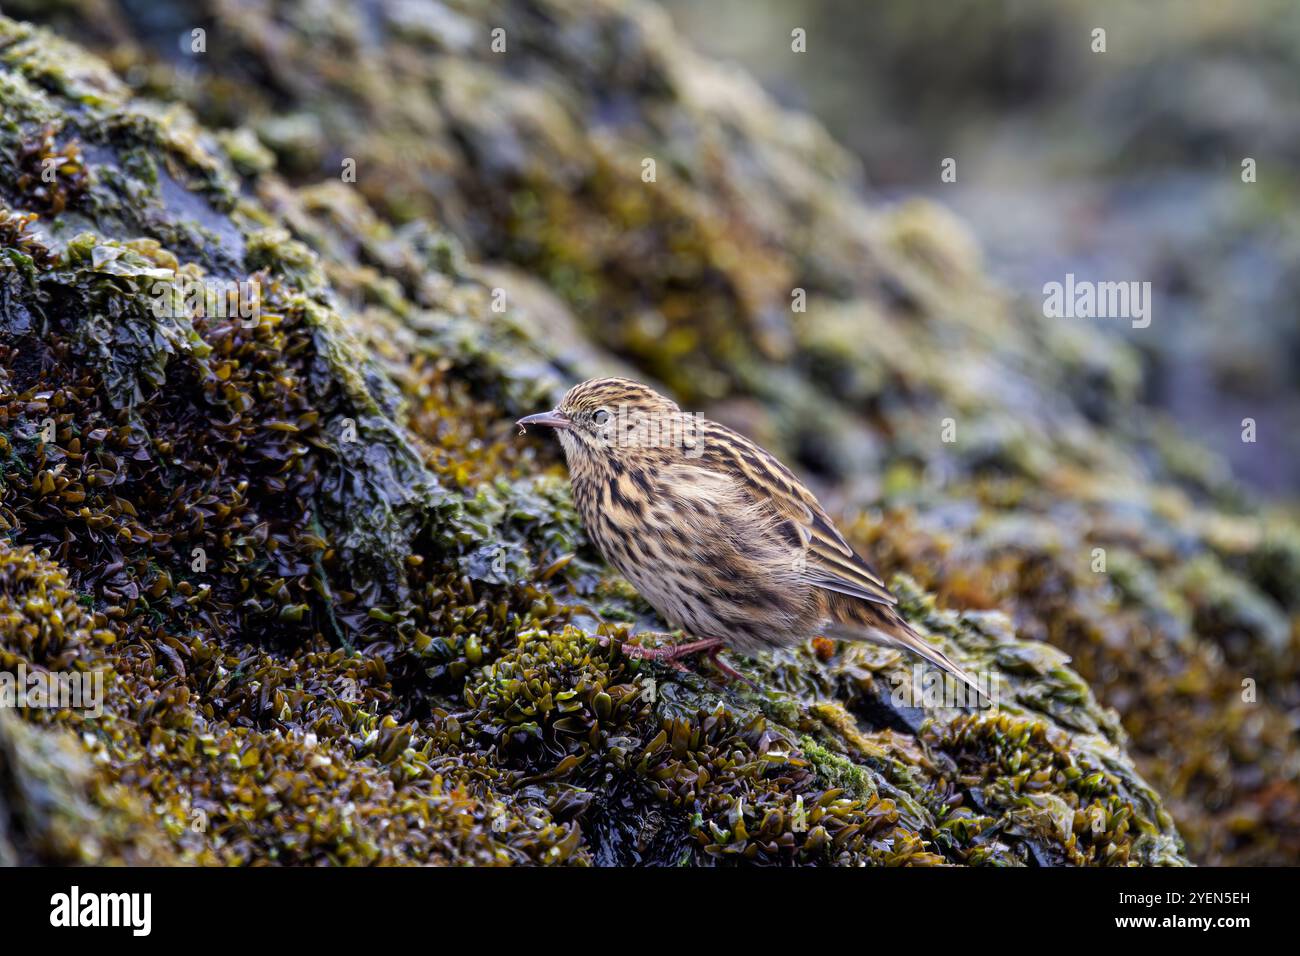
[(481, 721), (1122, 164)]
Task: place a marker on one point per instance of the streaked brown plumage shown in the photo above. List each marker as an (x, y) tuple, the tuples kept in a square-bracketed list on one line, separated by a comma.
[(714, 532)]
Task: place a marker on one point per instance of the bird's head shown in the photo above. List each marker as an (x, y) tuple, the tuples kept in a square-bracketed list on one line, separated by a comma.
[(617, 418)]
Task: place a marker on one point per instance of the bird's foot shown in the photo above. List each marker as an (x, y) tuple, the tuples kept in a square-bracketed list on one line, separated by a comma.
[(674, 652), (727, 670), (672, 655), (665, 654)]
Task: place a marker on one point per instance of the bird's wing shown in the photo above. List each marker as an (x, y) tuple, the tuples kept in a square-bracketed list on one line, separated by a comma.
[(829, 561)]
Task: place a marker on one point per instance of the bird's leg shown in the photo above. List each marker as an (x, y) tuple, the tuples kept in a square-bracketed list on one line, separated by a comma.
[(712, 646), (726, 669), (665, 655), (674, 651)]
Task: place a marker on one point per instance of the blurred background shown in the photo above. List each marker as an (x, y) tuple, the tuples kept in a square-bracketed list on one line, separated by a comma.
[(1122, 165)]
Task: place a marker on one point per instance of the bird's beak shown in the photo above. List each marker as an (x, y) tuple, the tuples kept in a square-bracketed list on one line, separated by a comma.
[(553, 419)]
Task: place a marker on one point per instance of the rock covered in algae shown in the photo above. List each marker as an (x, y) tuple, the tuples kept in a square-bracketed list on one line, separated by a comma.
[(391, 652)]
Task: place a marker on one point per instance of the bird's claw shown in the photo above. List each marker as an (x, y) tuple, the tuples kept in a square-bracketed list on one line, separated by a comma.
[(672, 654), (727, 670)]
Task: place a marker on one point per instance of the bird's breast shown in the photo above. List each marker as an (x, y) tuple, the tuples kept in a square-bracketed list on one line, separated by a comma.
[(706, 560)]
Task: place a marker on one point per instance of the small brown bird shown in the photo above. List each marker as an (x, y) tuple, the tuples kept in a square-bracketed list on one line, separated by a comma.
[(715, 533)]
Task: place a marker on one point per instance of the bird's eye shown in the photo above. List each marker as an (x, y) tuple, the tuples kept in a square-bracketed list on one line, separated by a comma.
[(601, 417)]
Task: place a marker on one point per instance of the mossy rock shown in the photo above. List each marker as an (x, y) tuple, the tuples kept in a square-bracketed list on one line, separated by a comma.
[(391, 650)]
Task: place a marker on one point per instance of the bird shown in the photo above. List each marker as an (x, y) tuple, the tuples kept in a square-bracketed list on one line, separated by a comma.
[(717, 535)]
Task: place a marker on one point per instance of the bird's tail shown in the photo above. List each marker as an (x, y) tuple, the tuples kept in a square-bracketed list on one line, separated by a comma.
[(896, 632)]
